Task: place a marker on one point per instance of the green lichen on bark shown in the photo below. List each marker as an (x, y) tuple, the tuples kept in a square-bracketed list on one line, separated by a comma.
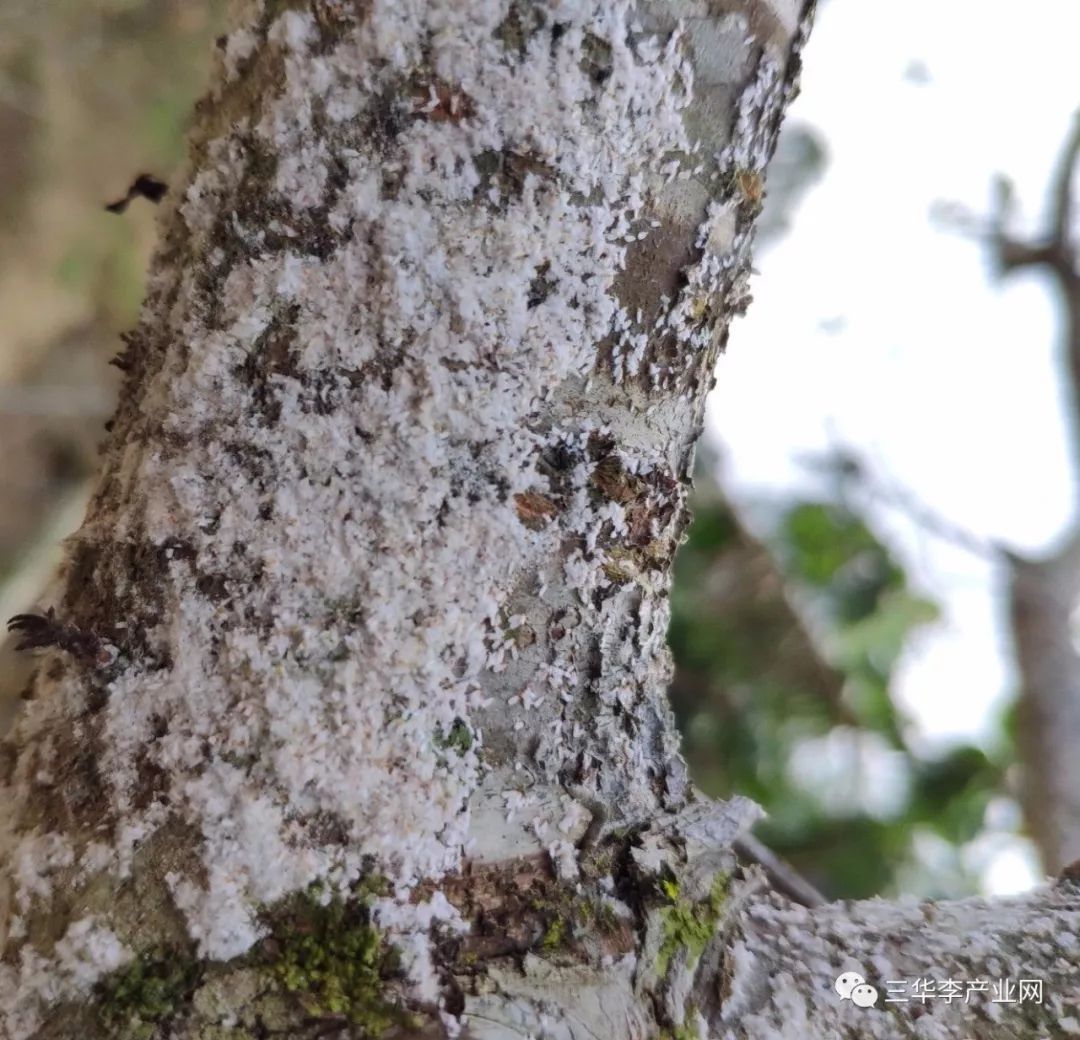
[(459, 738), (689, 925), (320, 961)]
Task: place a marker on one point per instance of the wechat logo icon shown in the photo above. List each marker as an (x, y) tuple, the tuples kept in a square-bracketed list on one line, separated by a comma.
[(852, 986)]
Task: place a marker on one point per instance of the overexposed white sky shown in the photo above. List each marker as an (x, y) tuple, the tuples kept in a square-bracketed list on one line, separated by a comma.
[(945, 380)]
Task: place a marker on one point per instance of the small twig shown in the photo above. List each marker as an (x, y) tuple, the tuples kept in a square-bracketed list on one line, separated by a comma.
[(849, 467), (905, 500), (1053, 249), (782, 876), (1063, 194)]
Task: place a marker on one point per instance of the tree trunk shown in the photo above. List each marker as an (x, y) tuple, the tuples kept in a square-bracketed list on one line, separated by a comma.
[(1044, 592), (352, 717)]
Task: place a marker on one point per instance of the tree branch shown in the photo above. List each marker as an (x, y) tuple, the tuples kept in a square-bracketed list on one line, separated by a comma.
[(1064, 203), (785, 959)]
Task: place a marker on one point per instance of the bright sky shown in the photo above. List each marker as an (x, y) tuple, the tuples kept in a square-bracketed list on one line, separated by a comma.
[(944, 380)]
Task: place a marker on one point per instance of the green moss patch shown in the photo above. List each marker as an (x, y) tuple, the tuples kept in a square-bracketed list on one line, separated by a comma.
[(146, 993), (337, 964)]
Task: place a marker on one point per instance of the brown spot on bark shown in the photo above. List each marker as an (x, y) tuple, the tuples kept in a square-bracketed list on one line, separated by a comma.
[(116, 589), (534, 509), (271, 356), (439, 102), (614, 483), (518, 906), (596, 59), (750, 186), (521, 23), (507, 171), (335, 17), (541, 287), (151, 785), (656, 266)]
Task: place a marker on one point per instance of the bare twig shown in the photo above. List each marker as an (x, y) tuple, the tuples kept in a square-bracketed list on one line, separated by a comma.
[(850, 468), (1055, 254), (782, 876), (1063, 194)]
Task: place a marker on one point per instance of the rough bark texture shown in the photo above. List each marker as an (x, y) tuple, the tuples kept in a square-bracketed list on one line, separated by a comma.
[(351, 717)]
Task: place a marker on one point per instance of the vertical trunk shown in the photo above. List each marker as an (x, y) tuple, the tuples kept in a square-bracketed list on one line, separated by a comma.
[(372, 591), (1043, 598)]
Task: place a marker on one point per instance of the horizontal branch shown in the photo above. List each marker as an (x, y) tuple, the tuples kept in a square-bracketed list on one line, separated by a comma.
[(971, 954)]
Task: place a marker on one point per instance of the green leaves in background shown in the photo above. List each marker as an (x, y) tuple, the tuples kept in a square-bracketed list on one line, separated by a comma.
[(807, 725)]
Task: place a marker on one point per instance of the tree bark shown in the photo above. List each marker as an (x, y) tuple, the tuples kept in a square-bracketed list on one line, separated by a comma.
[(351, 718)]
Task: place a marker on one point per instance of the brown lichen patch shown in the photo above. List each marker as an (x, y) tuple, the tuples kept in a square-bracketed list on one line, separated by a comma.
[(230, 103), (152, 782), (334, 18), (506, 172), (535, 510), (143, 899), (271, 358), (79, 784), (522, 22), (649, 500), (610, 478), (67, 793), (624, 565), (750, 186), (519, 907), (522, 636), (596, 59), (436, 100), (542, 285), (327, 828), (252, 206), (116, 589), (653, 510)]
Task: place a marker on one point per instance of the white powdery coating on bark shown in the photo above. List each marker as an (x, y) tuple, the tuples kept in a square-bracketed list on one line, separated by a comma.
[(782, 968), (86, 953), (34, 859), (379, 504), (759, 105), (408, 925)]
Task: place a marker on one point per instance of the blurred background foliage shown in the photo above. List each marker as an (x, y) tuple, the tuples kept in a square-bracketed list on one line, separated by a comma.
[(786, 646), (786, 649), (92, 92)]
